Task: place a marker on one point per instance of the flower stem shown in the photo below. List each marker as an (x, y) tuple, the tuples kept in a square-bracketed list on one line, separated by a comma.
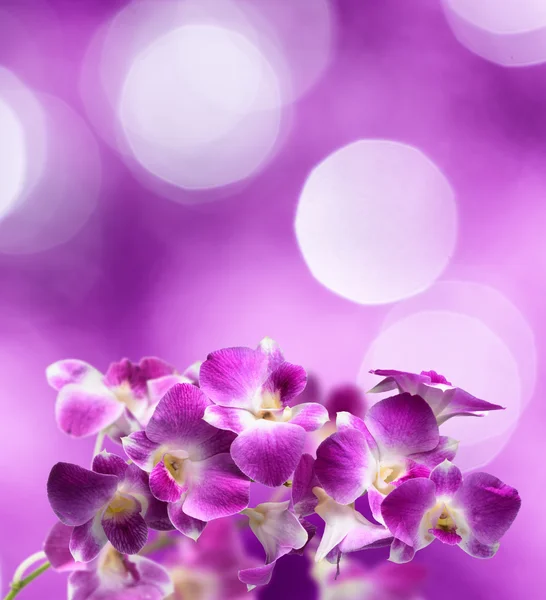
[(162, 541), (17, 585), (99, 442)]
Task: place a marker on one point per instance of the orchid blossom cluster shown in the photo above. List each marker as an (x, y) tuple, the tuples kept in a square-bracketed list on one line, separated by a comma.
[(195, 442)]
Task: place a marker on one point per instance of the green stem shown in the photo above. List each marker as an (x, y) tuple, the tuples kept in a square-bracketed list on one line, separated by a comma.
[(17, 586), (163, 541)]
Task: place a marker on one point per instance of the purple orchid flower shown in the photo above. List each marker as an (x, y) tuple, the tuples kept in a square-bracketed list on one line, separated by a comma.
[(110, 576), (89, 402), (473, 513), (110, 503), (189, 462), (346, 530), (445, 400), (397, 440), (279, 531), (254, 394), (207, 569)]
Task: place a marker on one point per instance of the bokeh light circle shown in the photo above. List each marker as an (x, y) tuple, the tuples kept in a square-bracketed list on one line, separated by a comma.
[(12, 158), (467, 353), (376, 222), (507, 32), (188, 107)]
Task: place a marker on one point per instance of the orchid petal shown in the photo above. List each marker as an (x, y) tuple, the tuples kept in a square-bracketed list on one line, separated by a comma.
[(71, 370), (187, 525), (141, 450), (310, 415), (303, 501), (231, 419), (57, 548), (257, 575), (164, 486), (109, 464), (445, 450), (125, 527), (447, 478), (401, 553), (286, 382), (157, 388), (88, 540)]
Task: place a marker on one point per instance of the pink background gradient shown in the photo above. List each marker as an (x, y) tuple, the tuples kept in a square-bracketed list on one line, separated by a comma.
[(146, 275)]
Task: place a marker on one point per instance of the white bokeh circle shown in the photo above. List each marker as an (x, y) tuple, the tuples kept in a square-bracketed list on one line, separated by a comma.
[(376, 222), (506, 32), (189, 107), (12, 158), (471, 356)]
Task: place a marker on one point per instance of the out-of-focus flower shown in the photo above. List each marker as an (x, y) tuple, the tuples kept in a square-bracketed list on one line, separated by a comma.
[(445, 400), (110, 576), (254, 393), (207, 569), (189, 462), (358, 582), (279, 531), (473, 513), (110, 503), (118, 402), (398, 440)]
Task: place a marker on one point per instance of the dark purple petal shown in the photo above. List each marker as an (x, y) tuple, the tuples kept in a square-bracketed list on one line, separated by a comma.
[(140, 449), (447, 478), (345, 465), (401, 553), (403, 425), (269, 451), (404, 508), (88, 540), (286, 382), (136, 482), (163, 485), (311, 416), (232, 376), (109, 464), (231, 419), (451, 537), (57, 548), (489, 505), (435, 377), (178, 418), (305, 479), (157, 515), (187, 525), (411, 470), (401, 380), (81, 411), (346, 398), (70, 370), (77, 494), (219, 443), (136, 376), (124, 526), (217, 489), (445, 450), (257, 575)]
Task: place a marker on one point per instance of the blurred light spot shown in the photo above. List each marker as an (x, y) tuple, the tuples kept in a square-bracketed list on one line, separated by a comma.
[(376, 222), (492, 308), (187, 107), (507, 32), (467, 353), (12, 158), (65, 176)]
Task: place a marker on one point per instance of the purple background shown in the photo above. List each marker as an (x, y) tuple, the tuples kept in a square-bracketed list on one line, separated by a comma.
[(150, 276)]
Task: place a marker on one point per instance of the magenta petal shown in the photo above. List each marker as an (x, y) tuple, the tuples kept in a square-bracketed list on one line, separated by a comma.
[(404, 508), (231, 419), (269, 451), (447, 478), (445, 450), (257, 575), (463, 403), (305, 479), (157, 388), (287, 381), (401, 380), (83, 585), (217, 489), (489, 505), (70, 370), (271, 350), (109, 464), (136, 376), (76, 494), (471, 545), (178, 417), (366, 535), (150, 573), (345, 466), (403, 425), (81, 411), (88, 540), (219, 443), (311, 416), (401, 553), (140, 449), (187, 525), (232, 376), (452, 538), (57, 548), (375, 500), (126, 529), (346, 398), (157, 515), (163, 485)]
